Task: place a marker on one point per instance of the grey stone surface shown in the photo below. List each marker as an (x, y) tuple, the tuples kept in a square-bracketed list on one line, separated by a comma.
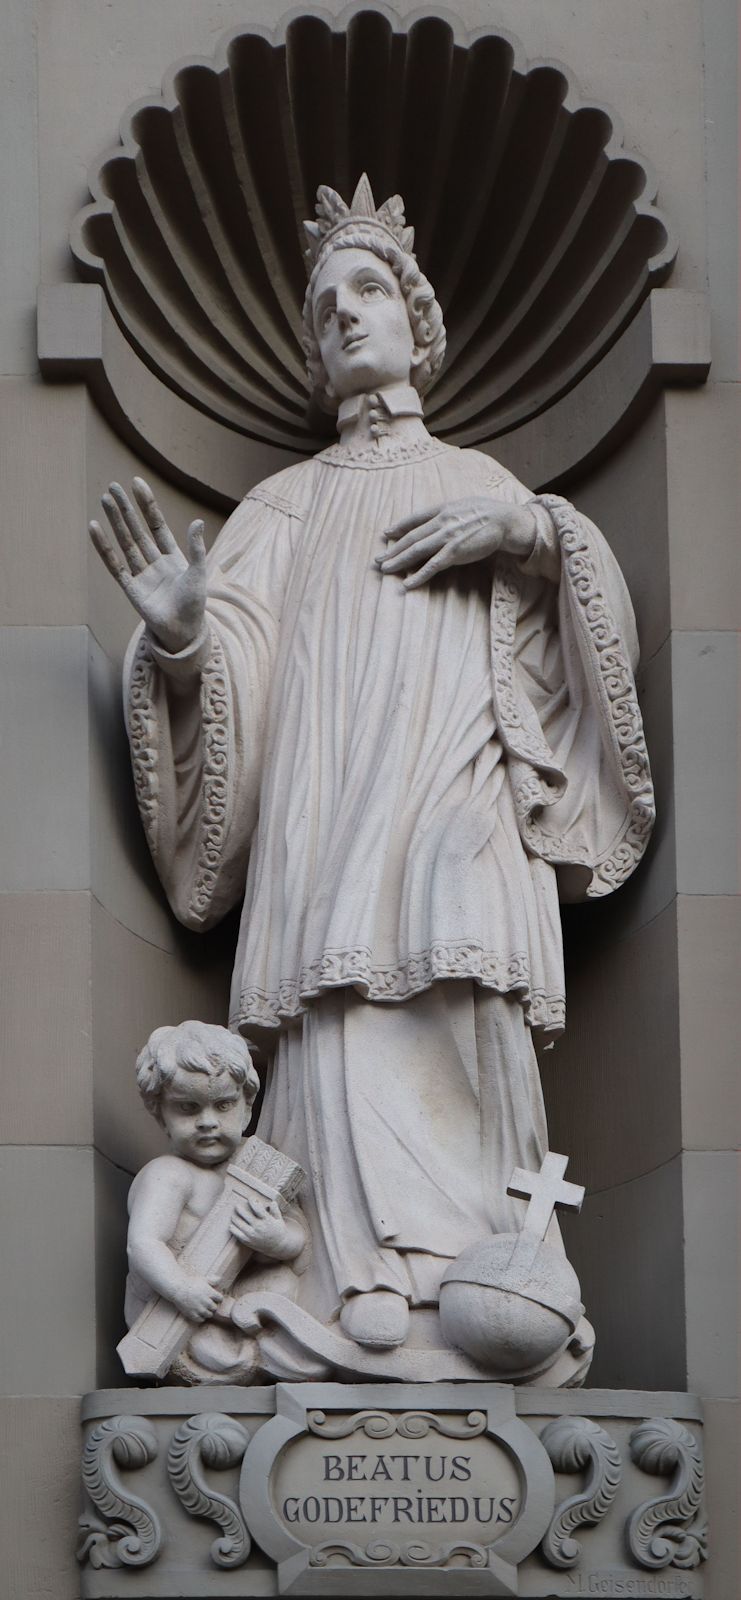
[(612, 1083), (42, 470), (19, 153), (636, 1228), (40, 1497), (711, 1182), (47, 1254), (705, 697), (709, 935), (43, 727), (45, 1042), (722, 1435), (703, 470)]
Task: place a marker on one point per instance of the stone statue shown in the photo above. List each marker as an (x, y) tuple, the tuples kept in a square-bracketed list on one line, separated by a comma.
[(393, 709), (199, 1082)]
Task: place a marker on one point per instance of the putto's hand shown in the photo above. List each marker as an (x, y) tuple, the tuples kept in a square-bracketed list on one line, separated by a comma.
[(198, 1300), (168, 590), (454, 535), (261, 1225)]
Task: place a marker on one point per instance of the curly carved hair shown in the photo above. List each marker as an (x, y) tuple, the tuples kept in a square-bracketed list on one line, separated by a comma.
[(425, 316), (193, 1047)]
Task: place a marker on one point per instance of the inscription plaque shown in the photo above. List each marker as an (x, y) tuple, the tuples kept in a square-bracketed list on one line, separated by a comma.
[(370, 1490)]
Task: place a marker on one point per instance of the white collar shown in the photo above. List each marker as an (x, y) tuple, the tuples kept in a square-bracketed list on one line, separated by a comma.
[(397, 400)]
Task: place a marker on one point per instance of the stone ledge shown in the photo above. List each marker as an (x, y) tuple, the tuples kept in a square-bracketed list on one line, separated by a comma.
[(392, 1490)]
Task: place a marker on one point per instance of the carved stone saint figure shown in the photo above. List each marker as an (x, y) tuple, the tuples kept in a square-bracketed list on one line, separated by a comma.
[(393, 710)]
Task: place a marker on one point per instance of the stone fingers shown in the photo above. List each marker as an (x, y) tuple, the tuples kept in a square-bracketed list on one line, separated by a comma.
[(427, 535), (153, 517), (446, 557), (408, 524), (130, 529), (108, 553)]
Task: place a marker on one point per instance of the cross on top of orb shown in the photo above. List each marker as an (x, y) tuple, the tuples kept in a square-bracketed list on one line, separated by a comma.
[(546, 1190)]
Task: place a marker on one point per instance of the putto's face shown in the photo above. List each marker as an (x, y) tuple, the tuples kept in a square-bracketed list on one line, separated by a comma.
[(204, 1116), (361, 323)]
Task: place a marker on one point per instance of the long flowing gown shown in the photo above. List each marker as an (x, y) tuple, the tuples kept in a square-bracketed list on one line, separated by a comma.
[(401, 783)]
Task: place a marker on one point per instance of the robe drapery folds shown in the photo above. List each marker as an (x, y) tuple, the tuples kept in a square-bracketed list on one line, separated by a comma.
[(405, 779)]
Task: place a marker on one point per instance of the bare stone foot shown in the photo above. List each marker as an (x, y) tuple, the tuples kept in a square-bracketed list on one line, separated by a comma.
[(379, 1319)]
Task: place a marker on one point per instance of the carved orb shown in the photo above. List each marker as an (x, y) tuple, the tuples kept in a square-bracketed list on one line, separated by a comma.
[(508, 1319)]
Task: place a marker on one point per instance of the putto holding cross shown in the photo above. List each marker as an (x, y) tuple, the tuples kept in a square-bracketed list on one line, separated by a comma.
[(393, 710)]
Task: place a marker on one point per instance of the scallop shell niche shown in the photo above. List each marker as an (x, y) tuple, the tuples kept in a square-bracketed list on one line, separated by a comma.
[(536, 227)]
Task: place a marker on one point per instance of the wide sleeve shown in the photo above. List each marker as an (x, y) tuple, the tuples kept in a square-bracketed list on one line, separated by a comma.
[(564, 653), (196, 720)]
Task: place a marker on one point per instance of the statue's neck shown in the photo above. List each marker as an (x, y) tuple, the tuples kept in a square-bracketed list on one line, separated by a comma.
[(386, 416)]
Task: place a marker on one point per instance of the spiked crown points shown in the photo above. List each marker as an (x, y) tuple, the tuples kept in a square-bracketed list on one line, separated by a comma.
[(333, 214)]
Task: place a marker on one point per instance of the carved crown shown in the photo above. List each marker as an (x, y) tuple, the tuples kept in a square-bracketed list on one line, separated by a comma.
[(333, 214)]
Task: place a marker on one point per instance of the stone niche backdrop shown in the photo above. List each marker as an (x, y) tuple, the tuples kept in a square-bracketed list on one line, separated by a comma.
[(539, 229)]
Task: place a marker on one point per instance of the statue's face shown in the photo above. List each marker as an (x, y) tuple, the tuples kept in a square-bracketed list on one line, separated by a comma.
[(204, 1116), (361, 323)]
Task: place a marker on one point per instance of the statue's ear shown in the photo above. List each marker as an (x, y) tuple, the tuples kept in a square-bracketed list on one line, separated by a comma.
[(418, 356)]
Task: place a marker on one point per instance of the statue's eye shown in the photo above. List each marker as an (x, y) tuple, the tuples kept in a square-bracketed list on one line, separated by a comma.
[(224, 1105), (327, 318), (371, 291), (187, 1108)]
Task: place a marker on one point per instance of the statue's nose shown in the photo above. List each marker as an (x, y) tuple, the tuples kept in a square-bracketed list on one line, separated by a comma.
[(347, 314)]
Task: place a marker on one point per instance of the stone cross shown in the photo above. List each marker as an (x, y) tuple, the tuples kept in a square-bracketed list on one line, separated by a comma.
[(546, 1190)]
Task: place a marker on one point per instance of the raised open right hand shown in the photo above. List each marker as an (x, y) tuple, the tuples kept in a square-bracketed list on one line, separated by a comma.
[(167, 589)]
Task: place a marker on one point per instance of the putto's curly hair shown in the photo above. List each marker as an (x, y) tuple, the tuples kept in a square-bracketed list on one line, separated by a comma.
[(193, 1047), (425, 316)]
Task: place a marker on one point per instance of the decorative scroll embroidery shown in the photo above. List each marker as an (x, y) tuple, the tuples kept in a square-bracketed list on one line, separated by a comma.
[(337, 968), (617, 693), (215, 788), (143, 741)]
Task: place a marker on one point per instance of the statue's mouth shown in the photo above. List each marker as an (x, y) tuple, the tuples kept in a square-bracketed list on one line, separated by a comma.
[(356, 339)]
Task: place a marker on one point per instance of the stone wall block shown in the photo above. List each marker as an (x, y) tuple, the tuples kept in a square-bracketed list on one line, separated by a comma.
[(47, 1261), (45, 1034)]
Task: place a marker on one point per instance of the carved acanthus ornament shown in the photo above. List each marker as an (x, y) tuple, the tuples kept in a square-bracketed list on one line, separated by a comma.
[(217, 1441), (669, 1530), (575, 1444), (127, 1531)]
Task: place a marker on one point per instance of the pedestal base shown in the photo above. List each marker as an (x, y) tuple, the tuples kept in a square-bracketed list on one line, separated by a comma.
[(392, 1490)]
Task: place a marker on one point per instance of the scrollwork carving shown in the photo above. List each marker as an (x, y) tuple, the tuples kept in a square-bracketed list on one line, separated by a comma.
[(575, 1444), (668, 1531), (212, 1440), (415, 1554), (127, 1532), (382, 1425)]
